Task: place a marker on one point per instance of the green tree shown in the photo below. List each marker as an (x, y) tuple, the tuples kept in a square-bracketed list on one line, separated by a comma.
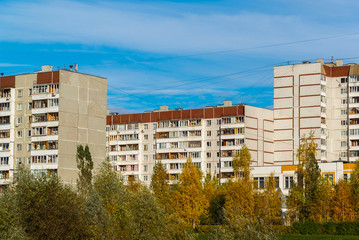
[(110, 198), (85, 167), (310, 190), (147, 217), (244, 163), (189, 200), (41, 208)]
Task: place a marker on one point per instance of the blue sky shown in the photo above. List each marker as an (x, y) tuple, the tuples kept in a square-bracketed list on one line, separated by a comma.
[(166, 52)]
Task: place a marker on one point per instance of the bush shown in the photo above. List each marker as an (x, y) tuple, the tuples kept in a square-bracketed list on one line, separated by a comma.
[(328, 228), (307, 228)]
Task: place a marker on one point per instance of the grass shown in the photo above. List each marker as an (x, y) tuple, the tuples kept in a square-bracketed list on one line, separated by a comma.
[(316, 237)]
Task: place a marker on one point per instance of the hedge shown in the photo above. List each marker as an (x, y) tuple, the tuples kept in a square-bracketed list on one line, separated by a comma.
[(328, 228)]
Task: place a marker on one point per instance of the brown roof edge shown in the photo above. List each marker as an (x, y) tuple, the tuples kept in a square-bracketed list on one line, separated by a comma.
[(7, 82), (172, 115), (48, 77), (341, 71)]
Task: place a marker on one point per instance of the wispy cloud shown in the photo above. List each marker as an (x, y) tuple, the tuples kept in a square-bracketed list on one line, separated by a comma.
[(14, 65), (158, 28)]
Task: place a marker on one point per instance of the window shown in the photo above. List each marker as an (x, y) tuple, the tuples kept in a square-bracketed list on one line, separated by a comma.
[(145, 147), (343, 112), (19, 120), (145, 137), (343, 133), (19, 106), (259, 182), (154, 126), (208, 133), (19, 147), (209, 122), (288, 182), (145, 157), (343, 143), (19, 93), (29, 106), (343, 80), (154, 146), (208, 144), (145, 178), (145, 168), (19, 133), (208, 165), (145, 126), (330, 178), (218, 121), (197, 164), (30, 91), (344, 101), (209, 154), (29, 147)]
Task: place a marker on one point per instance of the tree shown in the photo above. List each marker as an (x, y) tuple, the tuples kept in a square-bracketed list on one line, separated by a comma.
[(269, 203), (240, 192), (147, 218), (41, 208), (85, 167), (354, 186), (310, 192), (159, 184), (190, 201), (342, 203), (243, 163), (111, 198)]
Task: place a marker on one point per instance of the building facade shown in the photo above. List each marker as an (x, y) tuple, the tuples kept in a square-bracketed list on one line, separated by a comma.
[(45, 115), (314, 97), (135, 142)]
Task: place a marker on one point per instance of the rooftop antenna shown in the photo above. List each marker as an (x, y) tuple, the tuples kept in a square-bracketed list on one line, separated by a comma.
[(332, 59), (76, 66)]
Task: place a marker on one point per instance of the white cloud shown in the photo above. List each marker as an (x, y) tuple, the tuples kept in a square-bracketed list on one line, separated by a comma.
[(139, 26)]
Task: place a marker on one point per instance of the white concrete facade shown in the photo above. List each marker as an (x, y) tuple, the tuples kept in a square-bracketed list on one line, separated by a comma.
[(135, 142), (44, 116)]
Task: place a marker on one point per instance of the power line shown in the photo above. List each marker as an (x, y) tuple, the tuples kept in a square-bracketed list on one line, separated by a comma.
[(257, 47)]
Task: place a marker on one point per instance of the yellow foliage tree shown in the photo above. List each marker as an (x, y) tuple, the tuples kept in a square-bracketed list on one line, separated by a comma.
[(354, 186), (269, 203), (240, 192), (320, 209), (189, 200), (342, 204)]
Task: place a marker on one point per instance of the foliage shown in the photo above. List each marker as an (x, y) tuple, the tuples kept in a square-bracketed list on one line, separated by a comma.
[(269, 203), (342, 203), (239, 191), (354, 186), (159, 184), (41, 208), (85, 167), (330, 228), (309, 192), (190, 201)]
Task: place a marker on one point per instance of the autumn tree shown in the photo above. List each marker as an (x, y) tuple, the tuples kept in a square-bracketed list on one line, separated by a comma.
[(159, 184), (240, 191), (189, 200), (269, 202), (310, 192), (354, 186), (342, 203), (85, 167)]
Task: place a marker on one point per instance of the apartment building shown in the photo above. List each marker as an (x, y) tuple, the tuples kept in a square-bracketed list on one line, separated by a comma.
[(316, 97), (45, 115), (285, 174), (135, 142)]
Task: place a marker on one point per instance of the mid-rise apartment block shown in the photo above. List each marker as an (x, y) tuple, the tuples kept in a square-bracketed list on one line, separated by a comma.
[(210, 136), (45, 115), (316, 97)]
